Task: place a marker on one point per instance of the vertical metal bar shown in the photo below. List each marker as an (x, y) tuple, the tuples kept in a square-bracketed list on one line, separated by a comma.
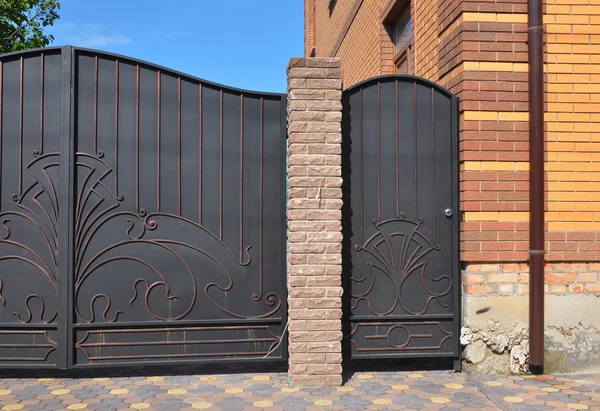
[(200, 154), (98, 153), (456, 266), (397, 159), (137, 138), (40, 151), (241, 176), (179, 145), (378, 152), (416, 195), (258, 296), (20, 170), (1, 162), (283, 199), (221, 165), (536, 186), (433, 160), (116, 168), (158, 146), (66, 214), (362, 169)]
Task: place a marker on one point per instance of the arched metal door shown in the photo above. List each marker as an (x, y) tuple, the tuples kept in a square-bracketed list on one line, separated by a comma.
[(401, 219)]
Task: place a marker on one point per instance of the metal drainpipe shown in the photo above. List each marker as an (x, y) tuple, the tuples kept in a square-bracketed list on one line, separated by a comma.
[(536, 186)]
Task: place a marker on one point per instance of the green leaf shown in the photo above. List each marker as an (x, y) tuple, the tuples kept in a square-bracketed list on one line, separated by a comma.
[(21, 23)]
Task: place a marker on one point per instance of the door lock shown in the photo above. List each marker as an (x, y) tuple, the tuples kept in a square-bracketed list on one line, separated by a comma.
[(448, 212)]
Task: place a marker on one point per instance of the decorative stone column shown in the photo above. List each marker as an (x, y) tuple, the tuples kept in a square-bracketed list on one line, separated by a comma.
[(314, 221)]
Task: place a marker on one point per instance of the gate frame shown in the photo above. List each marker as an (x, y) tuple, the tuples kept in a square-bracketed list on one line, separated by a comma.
[(457, 290)]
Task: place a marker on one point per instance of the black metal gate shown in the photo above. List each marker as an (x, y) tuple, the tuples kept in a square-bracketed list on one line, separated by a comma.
[(142, 214), (401, 220)]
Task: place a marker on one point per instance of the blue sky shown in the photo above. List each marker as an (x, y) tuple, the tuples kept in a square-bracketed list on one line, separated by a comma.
[(239, 43)]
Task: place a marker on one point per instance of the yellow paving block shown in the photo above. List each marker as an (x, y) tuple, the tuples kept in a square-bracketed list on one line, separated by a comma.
[(140, 405), (5, 392), (454, 386), (76, 406), (321, 403), (576, 406), (364, 376), (493, 383), (234, 390), (345, 389), (202, 405), (400, 387), (440, 400), (263, 404), (290, 389), (382, 401), (60, 392), (261, 378), (513, 399), (11, 407), (177, 391), (208, 378), (155, 378), (119, 391)]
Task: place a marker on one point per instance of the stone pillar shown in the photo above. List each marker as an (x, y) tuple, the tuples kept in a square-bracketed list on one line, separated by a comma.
[(314, 221)]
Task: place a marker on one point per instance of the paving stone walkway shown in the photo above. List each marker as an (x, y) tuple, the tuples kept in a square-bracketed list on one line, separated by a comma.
[(439, 390)]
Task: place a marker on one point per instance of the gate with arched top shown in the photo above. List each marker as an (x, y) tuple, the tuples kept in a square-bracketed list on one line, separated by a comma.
[(142, 214), (401, 219)]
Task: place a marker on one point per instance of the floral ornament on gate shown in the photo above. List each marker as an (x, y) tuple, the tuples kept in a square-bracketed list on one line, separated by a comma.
[(397, 253)]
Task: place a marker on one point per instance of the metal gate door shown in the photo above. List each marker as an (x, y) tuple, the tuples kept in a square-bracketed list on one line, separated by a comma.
[(142, 215), (401, 223)]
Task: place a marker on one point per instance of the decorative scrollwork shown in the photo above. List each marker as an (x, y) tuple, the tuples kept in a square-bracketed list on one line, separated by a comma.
[(397, 252), (105, 235), (37, 213), (147, 240)]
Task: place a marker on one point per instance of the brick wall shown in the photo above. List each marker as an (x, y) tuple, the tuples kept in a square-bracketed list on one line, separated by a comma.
[(314, 221), (330, 25), (425, 47), (361, 48), (364, 46), (511, 278), (309, 26), (573, 121)]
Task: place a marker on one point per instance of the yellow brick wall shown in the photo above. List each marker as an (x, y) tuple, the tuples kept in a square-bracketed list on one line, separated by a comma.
[(573, 117), (478, 50)]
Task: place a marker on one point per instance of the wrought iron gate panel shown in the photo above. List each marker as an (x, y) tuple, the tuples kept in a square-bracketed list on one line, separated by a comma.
[(29, 145), (401, 251), (174, 201)]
